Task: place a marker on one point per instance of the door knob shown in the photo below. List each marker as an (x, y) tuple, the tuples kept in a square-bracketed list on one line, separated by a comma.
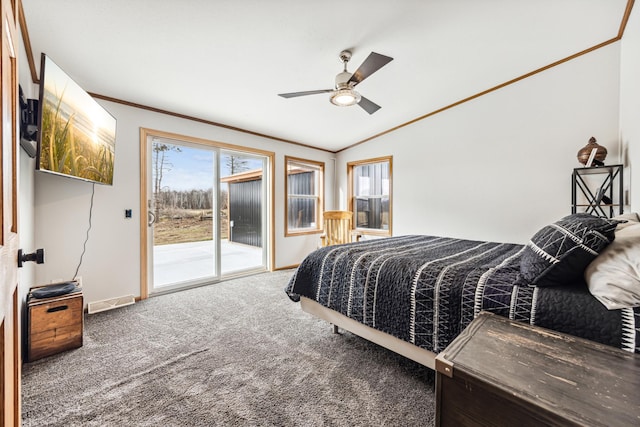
[(37, 256)]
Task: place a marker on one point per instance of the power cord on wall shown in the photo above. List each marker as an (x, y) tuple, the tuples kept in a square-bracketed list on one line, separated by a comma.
[(84, 247)]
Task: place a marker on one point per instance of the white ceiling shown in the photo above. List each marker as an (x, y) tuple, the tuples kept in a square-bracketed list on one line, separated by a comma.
[(226, 60)]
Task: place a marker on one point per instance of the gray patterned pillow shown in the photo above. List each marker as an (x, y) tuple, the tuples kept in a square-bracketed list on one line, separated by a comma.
[(559, 253)]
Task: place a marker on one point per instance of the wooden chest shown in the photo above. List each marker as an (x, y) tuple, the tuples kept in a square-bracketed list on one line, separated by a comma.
[(54, 325), (504, 373)]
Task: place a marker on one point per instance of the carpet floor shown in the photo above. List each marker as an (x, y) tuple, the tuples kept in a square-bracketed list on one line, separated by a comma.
[(234, 353)]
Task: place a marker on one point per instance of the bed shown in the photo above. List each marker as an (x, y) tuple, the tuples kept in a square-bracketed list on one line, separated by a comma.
[(415, 294)]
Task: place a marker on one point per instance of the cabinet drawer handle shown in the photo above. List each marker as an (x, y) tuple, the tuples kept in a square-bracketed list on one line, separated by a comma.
[(58, 308)]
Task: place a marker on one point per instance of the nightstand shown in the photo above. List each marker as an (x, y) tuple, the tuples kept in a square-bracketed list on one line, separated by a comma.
[(598, 190), (54, 325)]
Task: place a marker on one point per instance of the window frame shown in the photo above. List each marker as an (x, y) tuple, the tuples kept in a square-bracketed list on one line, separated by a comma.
[(351, 196), (319, 196)]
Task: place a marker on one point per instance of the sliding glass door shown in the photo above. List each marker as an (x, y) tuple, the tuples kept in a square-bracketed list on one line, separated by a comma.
[(182, 212), (242, 211), (206, 213)]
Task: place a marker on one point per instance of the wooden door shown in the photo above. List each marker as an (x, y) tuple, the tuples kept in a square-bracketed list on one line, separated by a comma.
[(10, 359)]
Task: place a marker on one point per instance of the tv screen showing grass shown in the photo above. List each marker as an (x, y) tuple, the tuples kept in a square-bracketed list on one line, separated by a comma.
[(77, 135)]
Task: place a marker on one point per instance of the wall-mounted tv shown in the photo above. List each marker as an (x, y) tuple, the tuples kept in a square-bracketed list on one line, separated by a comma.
[(77, 136)]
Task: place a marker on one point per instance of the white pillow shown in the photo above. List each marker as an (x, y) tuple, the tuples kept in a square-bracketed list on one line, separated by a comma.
[(631, 218), (614, 276)]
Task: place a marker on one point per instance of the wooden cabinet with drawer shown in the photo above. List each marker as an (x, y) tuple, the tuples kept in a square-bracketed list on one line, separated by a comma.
[(55, 325), (504, 373)]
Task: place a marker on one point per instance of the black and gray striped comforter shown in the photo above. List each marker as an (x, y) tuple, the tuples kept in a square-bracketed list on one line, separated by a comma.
[(426, 290)]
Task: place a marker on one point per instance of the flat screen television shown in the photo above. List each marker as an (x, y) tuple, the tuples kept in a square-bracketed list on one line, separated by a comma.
[(77, 136)]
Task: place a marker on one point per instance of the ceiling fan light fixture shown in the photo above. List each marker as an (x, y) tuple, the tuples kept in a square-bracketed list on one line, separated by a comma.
[(344, 97)]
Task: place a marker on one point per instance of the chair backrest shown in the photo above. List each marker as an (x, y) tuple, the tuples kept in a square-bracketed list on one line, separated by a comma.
[(337, 227)]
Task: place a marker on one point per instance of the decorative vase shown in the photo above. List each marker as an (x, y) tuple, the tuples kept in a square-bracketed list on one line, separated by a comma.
[(585, 153)]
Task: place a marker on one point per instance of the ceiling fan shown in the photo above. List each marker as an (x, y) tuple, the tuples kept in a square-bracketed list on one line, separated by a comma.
[(343, 95)]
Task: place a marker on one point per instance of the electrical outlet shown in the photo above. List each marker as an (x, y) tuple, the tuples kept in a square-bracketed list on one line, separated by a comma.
[(127, 213), (79, 280)]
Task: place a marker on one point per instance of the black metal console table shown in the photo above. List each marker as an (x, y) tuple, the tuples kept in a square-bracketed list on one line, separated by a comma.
[(598, 190)]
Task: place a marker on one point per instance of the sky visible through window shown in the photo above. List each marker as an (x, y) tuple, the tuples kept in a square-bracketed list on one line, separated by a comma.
[(192, 168)]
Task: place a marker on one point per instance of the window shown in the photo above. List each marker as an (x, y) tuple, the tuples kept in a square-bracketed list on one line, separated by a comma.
[(304, 189), (370, 195)]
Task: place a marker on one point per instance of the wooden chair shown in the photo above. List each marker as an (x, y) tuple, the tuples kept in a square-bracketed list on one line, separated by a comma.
[(337, 228)]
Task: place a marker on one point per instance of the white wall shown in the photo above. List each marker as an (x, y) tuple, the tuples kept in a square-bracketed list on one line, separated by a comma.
[(26, 189), (498, 167), (111, 265), (630, 107)]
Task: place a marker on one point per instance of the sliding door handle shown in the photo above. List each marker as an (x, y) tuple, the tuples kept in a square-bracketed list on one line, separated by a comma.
[(151, 218)]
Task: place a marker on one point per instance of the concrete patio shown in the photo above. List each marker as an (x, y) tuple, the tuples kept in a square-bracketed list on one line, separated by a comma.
[(182, 262)]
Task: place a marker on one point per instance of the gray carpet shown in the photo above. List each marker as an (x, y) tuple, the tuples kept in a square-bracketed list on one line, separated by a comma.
[(234, 353)]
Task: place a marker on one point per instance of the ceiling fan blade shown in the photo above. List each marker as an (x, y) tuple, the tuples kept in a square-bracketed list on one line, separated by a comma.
[(367, 105), (373, 63), (309, 92)]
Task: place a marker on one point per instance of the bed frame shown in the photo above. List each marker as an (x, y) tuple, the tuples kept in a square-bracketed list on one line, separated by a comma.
[(338, 320)]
